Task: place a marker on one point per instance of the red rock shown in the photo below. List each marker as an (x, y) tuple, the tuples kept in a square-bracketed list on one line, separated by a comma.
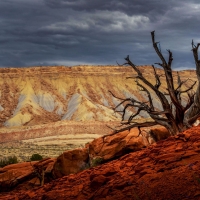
[(187, 135), (137, 175), (96, 145), (113, 146), (71, 162), (129, 164), (159, 133), (98, 181), (22, 174), (50, 166)]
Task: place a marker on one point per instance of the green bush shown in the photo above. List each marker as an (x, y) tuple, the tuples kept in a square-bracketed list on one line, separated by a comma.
[(8, 161), (96, 161), (36, 157)]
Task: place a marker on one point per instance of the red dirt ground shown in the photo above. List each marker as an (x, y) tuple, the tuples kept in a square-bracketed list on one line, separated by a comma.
[(168, 170)]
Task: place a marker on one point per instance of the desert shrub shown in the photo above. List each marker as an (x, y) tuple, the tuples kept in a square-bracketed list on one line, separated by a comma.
[(96, 161), (7, 161), (36, 157)]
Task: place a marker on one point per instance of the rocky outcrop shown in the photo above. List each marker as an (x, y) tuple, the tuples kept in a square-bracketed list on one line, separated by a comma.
[(159, 133), (71, 162), (25, 175), (100, 150), (106, 148), (168, 169), (111, 147)]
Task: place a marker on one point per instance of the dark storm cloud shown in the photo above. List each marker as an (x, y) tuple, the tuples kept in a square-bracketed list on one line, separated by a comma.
[(70, 32)]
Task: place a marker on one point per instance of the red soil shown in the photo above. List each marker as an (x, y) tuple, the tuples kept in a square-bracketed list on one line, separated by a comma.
[(168, 170)]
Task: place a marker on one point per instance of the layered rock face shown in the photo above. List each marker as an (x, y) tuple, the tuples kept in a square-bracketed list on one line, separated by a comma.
[(38, 95)]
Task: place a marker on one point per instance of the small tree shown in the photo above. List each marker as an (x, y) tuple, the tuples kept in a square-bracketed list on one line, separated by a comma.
[(36, 157), (175, 116)]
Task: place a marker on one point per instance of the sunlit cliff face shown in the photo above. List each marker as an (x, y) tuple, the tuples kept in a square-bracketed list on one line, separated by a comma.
[(37, 95)]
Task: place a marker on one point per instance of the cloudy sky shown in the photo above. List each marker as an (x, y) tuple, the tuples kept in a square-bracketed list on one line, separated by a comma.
[(74, 32)]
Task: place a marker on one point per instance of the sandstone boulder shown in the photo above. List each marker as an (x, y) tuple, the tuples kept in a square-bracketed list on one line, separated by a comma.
[(114, 146), (71, 162), (159, 133), (25, 175)]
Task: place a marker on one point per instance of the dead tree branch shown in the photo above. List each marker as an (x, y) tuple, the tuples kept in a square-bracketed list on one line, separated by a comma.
[(172, 114)]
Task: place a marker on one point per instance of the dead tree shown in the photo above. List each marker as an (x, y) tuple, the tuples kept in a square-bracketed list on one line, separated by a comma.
[(194, 111), (175, 116)]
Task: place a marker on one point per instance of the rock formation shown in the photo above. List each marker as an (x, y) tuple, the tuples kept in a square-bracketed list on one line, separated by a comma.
[(38, 95), (106, 148), (25, 175), (100, 150), (168, 169)]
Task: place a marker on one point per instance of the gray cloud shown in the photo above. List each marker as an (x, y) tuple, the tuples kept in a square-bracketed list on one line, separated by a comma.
[(66, 32)]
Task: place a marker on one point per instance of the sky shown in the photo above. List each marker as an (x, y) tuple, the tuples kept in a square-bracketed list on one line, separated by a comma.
[(96, 32)]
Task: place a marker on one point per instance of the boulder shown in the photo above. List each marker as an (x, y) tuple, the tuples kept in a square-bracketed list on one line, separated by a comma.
[(71, 162), (159, 133), (114, 146), (24, 175)]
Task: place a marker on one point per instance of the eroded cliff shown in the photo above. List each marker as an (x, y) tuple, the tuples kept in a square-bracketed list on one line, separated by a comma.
[(38, 95)]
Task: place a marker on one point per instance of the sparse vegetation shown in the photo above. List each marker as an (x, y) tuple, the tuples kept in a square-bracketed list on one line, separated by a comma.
[(96, 161), (8, 161), (23, 152)]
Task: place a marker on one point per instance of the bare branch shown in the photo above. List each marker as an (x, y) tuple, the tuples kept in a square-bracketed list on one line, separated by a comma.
[(144, 124), (160, 95), (177, 91), (116, 96), (170, 59), (134, 115), (180, 84), (190, 101), (159, 112), (121, 104), (159, 64), (157, 50), (196, 58), (124, 110), (121, 64), (133, 77), (148, 94), (190, 88), (158, 83)]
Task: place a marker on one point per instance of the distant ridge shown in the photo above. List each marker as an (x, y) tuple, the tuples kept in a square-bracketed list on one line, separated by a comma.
[(37, 95)]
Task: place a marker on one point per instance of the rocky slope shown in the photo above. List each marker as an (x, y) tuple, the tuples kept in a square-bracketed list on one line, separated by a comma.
[(169, 169), (100, 150), (38, 95)]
